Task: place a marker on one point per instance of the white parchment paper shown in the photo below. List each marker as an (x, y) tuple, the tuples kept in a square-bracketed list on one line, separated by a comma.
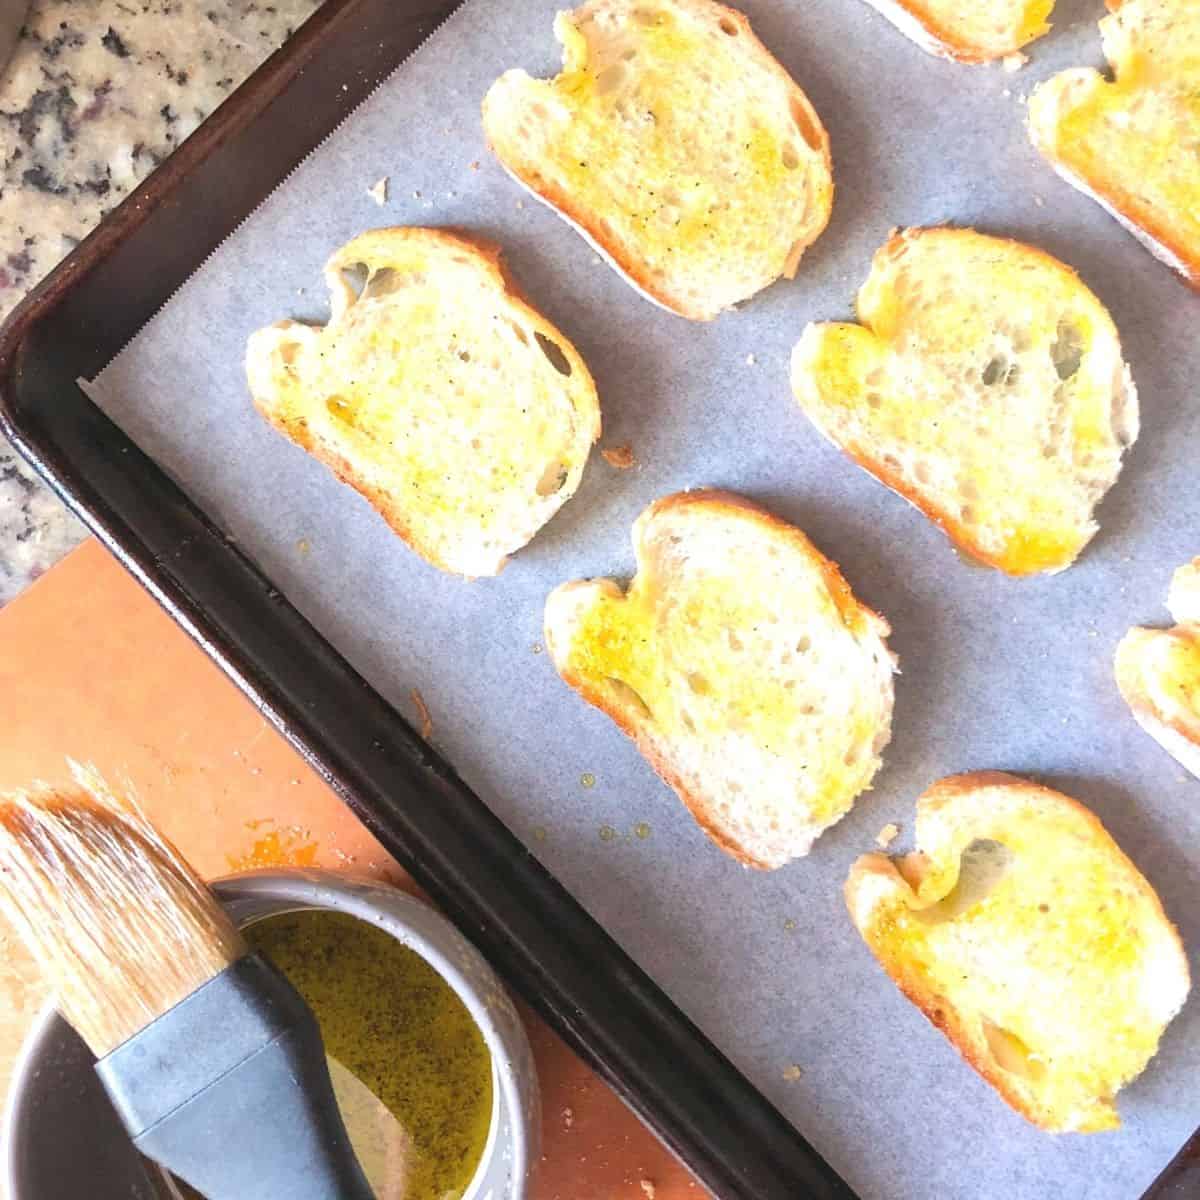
[(997, 673)]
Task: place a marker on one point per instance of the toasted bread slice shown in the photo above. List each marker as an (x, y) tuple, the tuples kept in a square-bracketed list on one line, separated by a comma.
[(1030, 940), (676, 144), (969, 33), (436, 392), (985, 384), (743, 667), (1133, 143), (1158, 672)]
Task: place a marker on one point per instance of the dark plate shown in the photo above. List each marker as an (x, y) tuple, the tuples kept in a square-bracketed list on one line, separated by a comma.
[(531, 929)]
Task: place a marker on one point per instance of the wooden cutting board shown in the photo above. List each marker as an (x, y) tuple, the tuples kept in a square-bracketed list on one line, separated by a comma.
[(91, 669)]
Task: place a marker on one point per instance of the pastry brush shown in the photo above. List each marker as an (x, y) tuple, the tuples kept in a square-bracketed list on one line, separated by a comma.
[(211, 1058)]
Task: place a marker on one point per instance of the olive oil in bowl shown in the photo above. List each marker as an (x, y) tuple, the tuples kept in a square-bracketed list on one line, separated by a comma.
[(411, 1068)]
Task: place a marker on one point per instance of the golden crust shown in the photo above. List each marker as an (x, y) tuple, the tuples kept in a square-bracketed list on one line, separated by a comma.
[(855, 613), (943, 40), (599, 231), (942, 1014)]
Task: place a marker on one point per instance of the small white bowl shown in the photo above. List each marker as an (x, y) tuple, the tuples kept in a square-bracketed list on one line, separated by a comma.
[(61, 1137)]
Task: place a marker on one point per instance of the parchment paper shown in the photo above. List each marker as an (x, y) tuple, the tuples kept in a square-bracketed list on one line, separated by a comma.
[(997, 673)]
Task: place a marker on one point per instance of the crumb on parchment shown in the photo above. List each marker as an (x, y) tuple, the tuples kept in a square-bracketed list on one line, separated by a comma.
[(378, 191), (1014, 62), (423, 712), (887, 835), (792, 1073), (620, 457), (647, 1186)]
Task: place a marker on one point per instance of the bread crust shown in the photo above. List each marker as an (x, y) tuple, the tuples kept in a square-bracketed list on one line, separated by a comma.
[(877, 873), (490, 258), (597, 230), (853, 611), (917, 22)]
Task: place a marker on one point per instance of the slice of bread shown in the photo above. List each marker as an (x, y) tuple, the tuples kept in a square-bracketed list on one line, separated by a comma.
[(969, 33), (743, 667), (985, 384), (1024, 934), (1158, 673), (436, 392), (1133, 142), (676, 144)]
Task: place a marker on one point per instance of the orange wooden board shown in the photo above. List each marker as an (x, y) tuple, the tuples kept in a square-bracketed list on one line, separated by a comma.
[(91, 669)]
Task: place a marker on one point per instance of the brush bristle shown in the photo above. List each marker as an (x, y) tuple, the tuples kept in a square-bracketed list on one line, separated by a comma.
[(120, 925)]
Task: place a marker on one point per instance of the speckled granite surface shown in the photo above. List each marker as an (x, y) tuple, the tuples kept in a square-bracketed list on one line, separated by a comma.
[(97, 93)]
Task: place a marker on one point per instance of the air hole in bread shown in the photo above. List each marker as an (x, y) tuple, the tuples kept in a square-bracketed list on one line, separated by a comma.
[(381, 283), (804, 645), (995, 370), (807, 124), (789, 157), (874, 399), (968, 490), (1066, 351), (464, 355), (624, 693), (968, 515), (1010, 1053), (356, 275), (553, 479), (982, 866), (629, 54), (735, 642), (729, 27), (646, 16), (554, 353), (698, 683), (519, 330), (288, 352), (921, 473)]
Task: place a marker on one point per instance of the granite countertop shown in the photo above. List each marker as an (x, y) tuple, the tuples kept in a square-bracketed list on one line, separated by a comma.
[(97, 94)]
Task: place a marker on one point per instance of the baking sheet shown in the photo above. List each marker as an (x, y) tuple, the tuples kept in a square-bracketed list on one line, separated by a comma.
[(997, 673)]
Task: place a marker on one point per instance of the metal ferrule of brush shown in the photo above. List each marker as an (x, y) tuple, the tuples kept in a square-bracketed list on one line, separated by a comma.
[(229, 1090)]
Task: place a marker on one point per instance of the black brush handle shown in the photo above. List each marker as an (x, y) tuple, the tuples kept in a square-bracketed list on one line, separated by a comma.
[(229, 1090)]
